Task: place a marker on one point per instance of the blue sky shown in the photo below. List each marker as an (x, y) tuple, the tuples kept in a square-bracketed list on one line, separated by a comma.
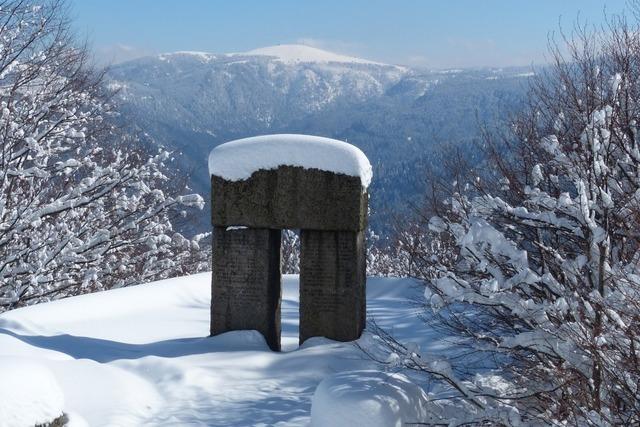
[(430, 33)]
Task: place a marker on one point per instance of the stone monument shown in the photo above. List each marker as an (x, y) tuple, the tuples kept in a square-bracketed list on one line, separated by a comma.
[(262, 185)]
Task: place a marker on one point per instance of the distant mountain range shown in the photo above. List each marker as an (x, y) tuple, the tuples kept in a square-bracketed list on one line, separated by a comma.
[(189, 102)]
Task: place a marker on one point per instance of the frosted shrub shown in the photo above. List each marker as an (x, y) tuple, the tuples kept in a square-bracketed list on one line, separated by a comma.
[(544, 253), (81, 209)]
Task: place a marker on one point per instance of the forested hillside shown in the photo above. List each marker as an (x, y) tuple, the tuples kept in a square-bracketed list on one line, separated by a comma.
[(190, 102)]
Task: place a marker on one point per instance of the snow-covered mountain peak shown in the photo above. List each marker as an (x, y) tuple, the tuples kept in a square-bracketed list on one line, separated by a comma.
[(295, 53)]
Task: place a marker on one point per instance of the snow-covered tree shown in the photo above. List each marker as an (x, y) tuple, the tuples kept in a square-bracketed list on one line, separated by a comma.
[(540, 270), (81, 203), (290, 256)]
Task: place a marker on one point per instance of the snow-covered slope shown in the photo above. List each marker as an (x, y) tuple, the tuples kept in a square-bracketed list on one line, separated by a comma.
[(290, 54), (202, 56), (141, 355), (294, 53)]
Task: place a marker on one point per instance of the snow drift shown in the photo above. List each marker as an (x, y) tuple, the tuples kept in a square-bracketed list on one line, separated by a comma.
[(367, 398), (29, 394)]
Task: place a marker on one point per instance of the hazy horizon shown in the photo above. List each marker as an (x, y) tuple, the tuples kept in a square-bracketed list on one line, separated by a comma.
[(429, 34)]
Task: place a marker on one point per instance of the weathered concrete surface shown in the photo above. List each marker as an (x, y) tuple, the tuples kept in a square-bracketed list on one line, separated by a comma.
[(290, 197), (246, 282), (332, 284)]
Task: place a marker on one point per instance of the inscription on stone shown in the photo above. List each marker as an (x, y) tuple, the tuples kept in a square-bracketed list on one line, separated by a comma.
[(246, 282), (331, 281)]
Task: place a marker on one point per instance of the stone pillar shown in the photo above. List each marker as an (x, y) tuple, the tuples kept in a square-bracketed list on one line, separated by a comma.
[(246, 282), (332, 284)]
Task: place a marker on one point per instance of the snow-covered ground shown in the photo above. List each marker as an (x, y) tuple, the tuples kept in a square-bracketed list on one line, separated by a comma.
[(141, 355)]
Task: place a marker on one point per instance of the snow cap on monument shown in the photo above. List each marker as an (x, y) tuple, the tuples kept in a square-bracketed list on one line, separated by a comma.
[(238, 160)]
